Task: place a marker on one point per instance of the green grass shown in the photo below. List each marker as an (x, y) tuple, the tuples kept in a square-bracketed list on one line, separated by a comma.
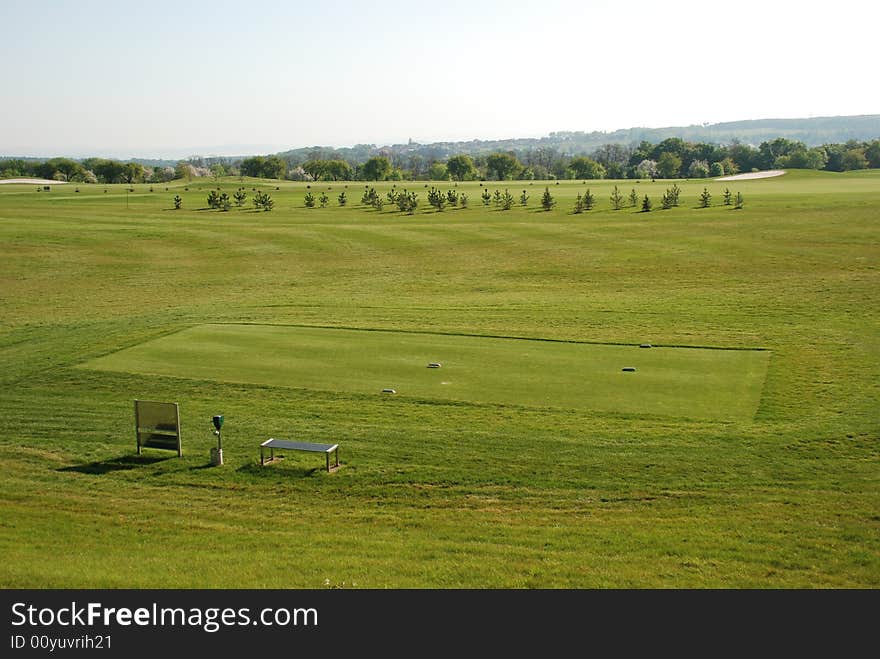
[(682, 382), (773, 484)]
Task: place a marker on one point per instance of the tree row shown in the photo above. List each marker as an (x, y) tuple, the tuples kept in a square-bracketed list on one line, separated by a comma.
[(672, 158)]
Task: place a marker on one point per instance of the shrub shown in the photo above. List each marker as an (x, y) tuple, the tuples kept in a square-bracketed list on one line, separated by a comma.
[(698, 169)]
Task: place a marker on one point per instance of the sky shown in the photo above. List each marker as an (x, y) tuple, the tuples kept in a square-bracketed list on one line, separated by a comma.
[(173, 79)]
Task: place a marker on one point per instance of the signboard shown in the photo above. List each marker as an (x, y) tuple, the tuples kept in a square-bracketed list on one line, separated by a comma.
[(157, 425)]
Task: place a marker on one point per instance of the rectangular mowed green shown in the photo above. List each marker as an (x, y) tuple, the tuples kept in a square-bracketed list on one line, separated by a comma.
[(683, 382)]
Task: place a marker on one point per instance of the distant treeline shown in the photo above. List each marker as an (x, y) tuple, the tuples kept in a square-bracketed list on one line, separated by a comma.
[(670, 158), (91, 170)]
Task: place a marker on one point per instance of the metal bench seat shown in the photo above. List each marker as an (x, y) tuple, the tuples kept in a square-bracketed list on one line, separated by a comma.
[(273, 443)]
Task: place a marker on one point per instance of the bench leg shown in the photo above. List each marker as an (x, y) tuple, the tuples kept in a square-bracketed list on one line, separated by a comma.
[(267, 461), (336, 460)]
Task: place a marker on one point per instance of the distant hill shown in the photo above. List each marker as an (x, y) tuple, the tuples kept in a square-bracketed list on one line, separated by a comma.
[(814, 131)]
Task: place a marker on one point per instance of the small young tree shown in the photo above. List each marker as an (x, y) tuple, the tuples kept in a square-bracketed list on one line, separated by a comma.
[(616, 199), (524, 198), (589, 200), (705, 198), (674, 193), (239, 195), (407, 202), (633, 198), (646, 205), (371, 197), (213, 199), (342, 199), (666, 200), (223, 202), (547, 201), (437, 199), (497, 197), (401, 201), (452, 197), (264, 201), (309, 199), (177, 202), (739, 201), (463, 200), (584, 202), (727, 196), (506, 200), (486, 197), (324, 200)]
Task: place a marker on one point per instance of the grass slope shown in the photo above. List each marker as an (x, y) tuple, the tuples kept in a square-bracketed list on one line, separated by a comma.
[(437, 492)]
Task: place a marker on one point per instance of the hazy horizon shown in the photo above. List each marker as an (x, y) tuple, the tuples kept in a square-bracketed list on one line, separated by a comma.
[(243, 150), (170, 80)]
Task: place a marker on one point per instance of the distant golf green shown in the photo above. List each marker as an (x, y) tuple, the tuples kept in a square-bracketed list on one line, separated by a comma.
[(694, 383)]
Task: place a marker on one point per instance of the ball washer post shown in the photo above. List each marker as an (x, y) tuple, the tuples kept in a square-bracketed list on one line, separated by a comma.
[(217, 453)]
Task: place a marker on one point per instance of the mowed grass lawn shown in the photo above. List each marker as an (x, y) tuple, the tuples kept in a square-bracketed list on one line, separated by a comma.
[(743, 452), (681, 382)]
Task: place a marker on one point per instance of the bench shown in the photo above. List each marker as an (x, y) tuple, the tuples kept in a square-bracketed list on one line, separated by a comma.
[(273, 444)]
